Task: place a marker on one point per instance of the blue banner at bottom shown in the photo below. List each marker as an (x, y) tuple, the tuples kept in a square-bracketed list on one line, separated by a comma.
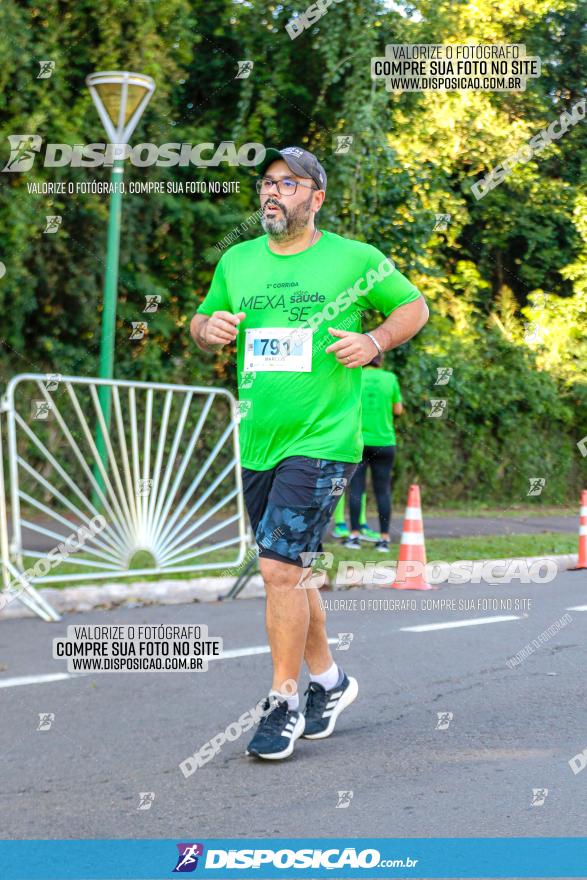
[(366, 858)]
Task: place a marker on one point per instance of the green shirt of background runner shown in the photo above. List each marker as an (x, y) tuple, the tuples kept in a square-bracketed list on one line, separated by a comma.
[(380, 390)]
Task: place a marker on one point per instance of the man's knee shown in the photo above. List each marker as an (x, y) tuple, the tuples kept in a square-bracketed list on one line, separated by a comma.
[(280, 575)]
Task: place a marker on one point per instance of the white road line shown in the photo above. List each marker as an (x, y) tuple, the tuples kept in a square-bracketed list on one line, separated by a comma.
[(65, 676), (38, 679), (248, 652), (577, 608), (476, 621)]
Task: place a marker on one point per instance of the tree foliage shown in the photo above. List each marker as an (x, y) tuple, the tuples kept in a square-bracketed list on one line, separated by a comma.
[(506, 264)]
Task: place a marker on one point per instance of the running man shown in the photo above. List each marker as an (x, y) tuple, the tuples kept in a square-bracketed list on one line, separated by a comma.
[(292, 301), (382, 401)]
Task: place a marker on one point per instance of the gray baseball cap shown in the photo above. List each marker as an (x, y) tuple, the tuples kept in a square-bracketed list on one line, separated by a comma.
[(300, 161)]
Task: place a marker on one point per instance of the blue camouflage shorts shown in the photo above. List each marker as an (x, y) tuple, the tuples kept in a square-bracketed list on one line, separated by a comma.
[(290, 505)]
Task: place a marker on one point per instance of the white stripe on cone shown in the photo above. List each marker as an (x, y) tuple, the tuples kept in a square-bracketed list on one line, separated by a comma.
[(412, 538), (413, 513)]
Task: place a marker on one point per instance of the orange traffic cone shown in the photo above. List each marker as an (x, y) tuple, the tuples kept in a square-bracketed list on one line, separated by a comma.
[(582, 560), (412, 552)]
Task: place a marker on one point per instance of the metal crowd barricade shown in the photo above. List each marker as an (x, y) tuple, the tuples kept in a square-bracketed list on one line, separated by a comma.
[(163, 479)]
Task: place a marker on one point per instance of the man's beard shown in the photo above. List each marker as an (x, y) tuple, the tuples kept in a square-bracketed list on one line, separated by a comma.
[(291, 223)]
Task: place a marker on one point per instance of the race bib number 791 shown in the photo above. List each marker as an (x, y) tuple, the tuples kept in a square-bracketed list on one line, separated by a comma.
[(278, 348)]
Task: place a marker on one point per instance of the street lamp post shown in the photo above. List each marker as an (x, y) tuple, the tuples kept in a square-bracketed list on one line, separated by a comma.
[(120, 98)]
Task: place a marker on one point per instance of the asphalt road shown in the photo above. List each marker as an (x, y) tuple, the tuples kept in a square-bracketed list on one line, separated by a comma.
[(116, 735), (458, 526)]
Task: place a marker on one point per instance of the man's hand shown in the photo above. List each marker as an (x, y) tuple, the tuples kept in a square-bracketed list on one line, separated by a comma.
[(352, 349), (217, 330), (220, 328), (356, 349)]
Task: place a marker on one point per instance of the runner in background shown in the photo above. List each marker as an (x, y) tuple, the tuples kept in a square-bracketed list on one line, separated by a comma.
[(381, 401), (341, 530)]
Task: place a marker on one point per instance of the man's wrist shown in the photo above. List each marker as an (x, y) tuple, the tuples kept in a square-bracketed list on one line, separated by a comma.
[(375, 342), (204, 344)]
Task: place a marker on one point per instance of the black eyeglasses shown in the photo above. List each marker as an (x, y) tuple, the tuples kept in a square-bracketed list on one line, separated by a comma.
[(285, 187)]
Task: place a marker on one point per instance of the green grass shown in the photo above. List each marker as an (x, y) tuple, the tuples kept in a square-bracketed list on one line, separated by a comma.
[(437, 549), (489, 511), (475, 547), (500, 546), (140, 560)]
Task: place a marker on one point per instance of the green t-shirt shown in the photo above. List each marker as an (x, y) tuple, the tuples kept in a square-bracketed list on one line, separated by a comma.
[(316, 413), (380, 391)]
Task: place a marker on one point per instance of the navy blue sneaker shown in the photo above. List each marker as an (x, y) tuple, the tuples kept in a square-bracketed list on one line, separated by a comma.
[(277, 731), (323, 707)]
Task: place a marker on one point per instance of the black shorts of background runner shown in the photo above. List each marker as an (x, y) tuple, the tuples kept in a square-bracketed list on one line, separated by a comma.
[(290, 505), (380, 459)]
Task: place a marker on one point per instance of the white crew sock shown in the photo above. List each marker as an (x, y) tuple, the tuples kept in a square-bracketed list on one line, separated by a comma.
[(293, 700), (328, 679)]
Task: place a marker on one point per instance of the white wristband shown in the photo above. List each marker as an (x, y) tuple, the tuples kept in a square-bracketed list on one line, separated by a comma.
[(372, 338)]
